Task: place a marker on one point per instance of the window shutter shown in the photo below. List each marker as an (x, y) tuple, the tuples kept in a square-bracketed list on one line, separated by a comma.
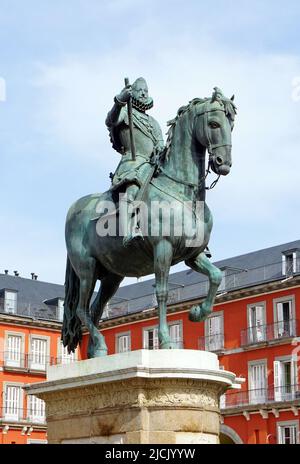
[(146, 339), (175, 333), (294, 262), (280, 321), (259, 314), (155, 339), (38, 353), (13, 351), (283, 265), (277, 380)]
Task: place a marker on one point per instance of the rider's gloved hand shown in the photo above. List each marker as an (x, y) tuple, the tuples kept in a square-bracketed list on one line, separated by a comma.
[(124, 95)]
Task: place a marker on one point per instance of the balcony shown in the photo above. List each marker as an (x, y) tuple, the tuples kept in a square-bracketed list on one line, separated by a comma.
[(213, 343), (16, 361), (270, 332), (22, 415), (262, 396)]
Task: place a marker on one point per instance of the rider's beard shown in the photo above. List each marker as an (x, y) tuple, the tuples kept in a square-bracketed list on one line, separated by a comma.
[(142, 106)]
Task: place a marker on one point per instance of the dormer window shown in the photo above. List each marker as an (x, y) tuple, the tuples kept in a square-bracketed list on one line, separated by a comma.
[(289, 263), (10, 301)]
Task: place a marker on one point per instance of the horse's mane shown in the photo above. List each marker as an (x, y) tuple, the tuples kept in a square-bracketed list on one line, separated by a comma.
[(229, 108)]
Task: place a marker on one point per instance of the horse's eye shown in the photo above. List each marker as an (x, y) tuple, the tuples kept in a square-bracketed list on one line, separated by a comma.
[(214, 125)]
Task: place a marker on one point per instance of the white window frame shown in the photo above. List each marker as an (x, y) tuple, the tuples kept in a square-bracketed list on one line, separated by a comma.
[(146, 331), (63, 357), (214, 342), (10, 304), (60, 309), (17, 416), (279, 327), (122, 336), (178, 339), (281, 425), (256, 333), (36, 410), (258, 394), (289, 272), (18, 357), (279, 386), (34, 362)]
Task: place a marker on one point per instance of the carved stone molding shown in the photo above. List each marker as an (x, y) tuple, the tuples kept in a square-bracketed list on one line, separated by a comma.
[(134, 393)]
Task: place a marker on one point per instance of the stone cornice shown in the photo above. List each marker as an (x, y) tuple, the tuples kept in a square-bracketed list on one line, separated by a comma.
[(13, 319)]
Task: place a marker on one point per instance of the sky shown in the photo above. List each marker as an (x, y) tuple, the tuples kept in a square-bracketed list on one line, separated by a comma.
[(63, 61)]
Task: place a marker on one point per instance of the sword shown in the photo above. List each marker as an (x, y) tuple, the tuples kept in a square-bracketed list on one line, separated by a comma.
[(129, 106)]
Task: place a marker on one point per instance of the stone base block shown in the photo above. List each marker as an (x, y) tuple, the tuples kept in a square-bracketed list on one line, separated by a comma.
[(150, 397)]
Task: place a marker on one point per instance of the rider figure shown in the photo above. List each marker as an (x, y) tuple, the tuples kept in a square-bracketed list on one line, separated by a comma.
[(148, 143)]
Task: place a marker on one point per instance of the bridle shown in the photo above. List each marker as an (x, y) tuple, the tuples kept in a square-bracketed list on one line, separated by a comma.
[(210, 148)]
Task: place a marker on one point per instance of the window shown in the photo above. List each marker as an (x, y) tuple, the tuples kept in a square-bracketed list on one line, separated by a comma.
[(256, 323), (36, 409), (123, 343), (214, 332), (284, 315), (285, 379), (63, 356), (287, 433), (151, 339), (60, 309), (12, 402), (13, 351), (289, 263), (176, 334), (257, 382), (10, 302), (38, 355)]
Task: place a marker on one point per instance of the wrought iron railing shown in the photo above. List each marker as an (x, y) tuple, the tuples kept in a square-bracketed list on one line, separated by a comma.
[(211, 343), (12, 413), (268, 332), (14, 360), (261, 396)]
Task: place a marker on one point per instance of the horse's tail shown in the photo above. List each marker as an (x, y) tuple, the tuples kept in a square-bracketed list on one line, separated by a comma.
[(71, 330)]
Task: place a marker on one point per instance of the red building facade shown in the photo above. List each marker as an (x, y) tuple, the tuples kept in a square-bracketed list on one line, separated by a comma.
[(254, 329)]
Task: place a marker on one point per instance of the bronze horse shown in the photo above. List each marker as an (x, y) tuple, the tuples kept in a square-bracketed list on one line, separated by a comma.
[(202, 124)]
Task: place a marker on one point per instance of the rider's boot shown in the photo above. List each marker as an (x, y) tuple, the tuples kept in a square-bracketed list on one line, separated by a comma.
[(133, 231)]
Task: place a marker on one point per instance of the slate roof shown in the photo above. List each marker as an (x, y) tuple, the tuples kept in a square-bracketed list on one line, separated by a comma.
[(240, 271)]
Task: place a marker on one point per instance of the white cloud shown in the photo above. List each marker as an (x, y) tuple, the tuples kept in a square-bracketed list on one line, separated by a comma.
[(79, 91)]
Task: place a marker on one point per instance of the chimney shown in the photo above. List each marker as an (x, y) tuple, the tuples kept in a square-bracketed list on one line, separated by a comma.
[(35, 277), (32, 275), (16, 273), (6, 271)]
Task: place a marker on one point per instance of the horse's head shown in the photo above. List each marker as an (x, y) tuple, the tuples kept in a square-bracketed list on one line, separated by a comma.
[(213, 130)]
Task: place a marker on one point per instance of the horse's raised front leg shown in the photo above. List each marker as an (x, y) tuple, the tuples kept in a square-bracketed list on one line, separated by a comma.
[(87, 285), (163, 253), (202, 264), (109, 285)]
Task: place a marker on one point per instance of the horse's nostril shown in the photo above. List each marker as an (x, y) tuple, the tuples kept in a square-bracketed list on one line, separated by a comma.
[(219, 160)]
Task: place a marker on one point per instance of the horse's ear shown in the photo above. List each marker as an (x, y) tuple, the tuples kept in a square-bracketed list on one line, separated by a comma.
[(232, 98)]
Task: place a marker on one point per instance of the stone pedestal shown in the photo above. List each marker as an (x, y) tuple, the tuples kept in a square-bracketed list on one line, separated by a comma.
[(152, 397)]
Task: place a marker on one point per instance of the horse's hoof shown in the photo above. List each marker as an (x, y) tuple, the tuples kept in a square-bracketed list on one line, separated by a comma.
[(198, 314)]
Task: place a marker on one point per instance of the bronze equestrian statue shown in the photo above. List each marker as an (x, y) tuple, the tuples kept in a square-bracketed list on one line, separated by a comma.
[(152, 174)]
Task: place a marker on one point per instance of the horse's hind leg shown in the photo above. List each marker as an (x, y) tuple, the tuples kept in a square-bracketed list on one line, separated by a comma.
[(163, 253), (202, 264), (87, 284), (109, 285)]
